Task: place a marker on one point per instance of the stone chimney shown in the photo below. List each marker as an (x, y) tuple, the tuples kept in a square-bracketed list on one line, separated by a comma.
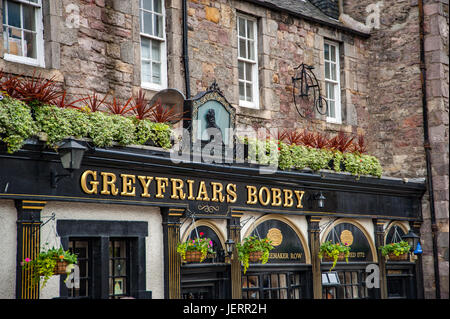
[(329, 7)]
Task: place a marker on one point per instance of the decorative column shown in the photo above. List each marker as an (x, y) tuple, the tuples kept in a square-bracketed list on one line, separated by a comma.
[(379, 241), (234, 233), (314, 246), (28, 245), (172, 260)]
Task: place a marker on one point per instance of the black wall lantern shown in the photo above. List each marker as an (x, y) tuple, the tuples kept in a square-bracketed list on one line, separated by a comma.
[(71, 154), (320, 199), (412, 239), (305, 87), (229, 246)]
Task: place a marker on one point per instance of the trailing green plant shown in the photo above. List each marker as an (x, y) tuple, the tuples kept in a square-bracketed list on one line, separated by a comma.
[(253, 244), (203, 245), (397, 249), (358, 164), (333, 250), (44, 265), (60, 123), (16, 123), (159, 133)]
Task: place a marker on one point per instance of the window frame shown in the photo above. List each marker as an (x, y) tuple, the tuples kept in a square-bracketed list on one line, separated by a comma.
[(337, 119), (163, 48), (255, 72), (39, 61)]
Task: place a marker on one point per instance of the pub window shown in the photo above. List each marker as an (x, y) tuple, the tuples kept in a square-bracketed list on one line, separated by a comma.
[(269, 285), (83, 249), (248, 61), (332, 81), (351, 286), (119, 265), (153, 44), (23, 40)]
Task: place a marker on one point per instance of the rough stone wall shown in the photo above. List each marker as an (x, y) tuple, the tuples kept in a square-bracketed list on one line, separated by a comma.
[(436, 14), (102, 53), (284, 43), (395, 102)]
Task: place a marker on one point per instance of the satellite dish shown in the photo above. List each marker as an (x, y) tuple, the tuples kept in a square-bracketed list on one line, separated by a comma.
[(170, 98)]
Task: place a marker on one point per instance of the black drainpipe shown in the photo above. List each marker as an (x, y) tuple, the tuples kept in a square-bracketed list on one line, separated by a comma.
[(427, 147), (185, 52)]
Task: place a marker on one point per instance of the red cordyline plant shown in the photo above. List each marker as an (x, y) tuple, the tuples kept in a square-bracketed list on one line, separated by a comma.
[(39, 89), (308, 138), (161, 114), (293, 137), (141, 108), (341, 142), (9, 84), (93, 103), (117, 108), (63, 103), (321, 140), (360, 146), (277, 134)]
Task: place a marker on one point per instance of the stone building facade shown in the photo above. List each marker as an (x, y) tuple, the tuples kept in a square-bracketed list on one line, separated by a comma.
[(95, 46)]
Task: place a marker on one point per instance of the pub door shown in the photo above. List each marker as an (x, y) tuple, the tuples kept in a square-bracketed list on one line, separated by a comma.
[(205, 281), (401, 280)]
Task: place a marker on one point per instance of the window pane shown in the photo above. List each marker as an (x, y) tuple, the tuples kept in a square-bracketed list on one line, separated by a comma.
[(148, 25), (331, 111), (156, 73), (146, 71), (250, 26), (157, 6), (241, 70), (14, 14), (251, 50), (29, 18), (158, 26), (147, 4), (333, 53), (327, 51), (241, 23), (14, 41), (248, 72), (156, 56), (145, 48), (249, 90), (29, 44), (330, 91), (327, 70), (242, 48), (242, 91), (333, 71)]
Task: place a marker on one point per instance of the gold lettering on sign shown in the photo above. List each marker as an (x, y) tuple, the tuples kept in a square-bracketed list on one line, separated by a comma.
[(263, 201), (217, 195), (177, 189), (94, 183), (231, 193), (251, 195), (299, 195), (161, 183), (288, 201), (202, 192), (109, 180), (145, 183), (127, 185), (190, 189), (276, 197)]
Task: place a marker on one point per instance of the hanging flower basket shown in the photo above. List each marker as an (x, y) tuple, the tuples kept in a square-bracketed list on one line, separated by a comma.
[(401, 257), (334, 252), (254, 250), (396, 251), (195, 250), (49, 263)]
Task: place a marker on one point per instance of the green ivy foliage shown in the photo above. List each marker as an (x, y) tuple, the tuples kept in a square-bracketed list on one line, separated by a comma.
[(16, 123)]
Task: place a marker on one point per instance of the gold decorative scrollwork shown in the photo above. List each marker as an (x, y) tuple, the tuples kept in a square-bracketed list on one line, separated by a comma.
[(208, 208)]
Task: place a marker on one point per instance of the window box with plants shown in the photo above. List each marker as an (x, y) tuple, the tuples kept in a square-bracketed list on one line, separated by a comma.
[(334, 252), (49, 263), (254, 249), (396, 251), (195, 250)]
